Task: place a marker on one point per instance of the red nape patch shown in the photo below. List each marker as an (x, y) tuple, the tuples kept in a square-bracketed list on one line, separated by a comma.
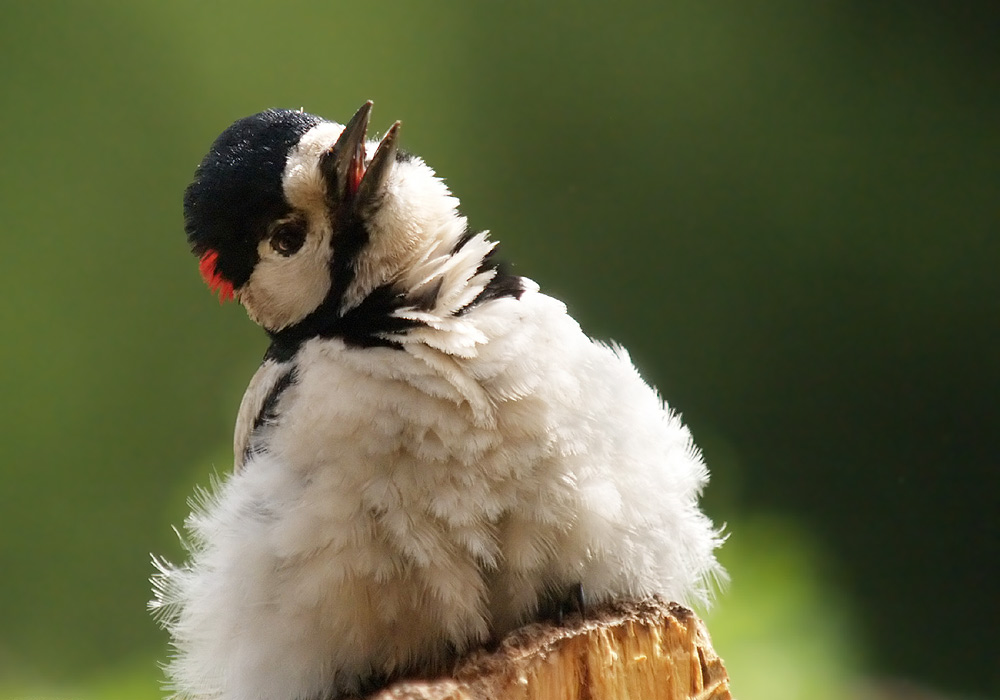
[(215, 281)]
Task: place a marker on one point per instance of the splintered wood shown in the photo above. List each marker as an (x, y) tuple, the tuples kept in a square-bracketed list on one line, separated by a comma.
[(650, 650)]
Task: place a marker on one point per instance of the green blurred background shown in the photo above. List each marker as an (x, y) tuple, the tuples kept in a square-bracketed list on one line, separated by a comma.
[(787, 211)]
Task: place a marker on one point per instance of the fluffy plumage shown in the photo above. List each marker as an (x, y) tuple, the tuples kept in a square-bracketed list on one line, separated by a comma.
[(430, 450)]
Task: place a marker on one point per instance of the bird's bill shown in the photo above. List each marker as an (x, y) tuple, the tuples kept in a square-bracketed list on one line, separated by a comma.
[(343, 166), (375, 176)]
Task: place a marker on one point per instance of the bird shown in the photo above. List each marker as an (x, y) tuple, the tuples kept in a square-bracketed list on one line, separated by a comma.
[(431, 453)]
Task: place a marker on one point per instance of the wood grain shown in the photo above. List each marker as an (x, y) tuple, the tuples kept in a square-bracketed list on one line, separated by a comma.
[(643, 650)]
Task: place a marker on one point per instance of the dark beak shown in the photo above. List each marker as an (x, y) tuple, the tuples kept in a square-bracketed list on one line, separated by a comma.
[(348, 183)]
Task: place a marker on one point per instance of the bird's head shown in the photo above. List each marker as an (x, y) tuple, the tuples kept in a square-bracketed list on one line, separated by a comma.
[(301, 220)]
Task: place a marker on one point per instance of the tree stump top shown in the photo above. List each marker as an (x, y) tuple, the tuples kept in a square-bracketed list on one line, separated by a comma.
[(638, 650)]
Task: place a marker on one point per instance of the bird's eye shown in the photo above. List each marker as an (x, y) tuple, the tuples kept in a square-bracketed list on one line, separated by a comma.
[(287, 237)]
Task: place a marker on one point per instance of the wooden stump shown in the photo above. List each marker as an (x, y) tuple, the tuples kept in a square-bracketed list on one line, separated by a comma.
[(624, 651)]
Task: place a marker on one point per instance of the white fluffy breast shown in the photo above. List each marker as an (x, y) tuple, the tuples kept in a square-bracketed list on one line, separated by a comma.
[(410, 503)]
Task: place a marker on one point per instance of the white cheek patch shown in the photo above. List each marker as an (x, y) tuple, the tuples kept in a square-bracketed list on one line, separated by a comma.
[(282, 291), (302, 180)]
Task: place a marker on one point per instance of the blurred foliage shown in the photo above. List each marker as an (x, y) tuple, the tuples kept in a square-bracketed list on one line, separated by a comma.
[(788, 212), (783, 628)]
